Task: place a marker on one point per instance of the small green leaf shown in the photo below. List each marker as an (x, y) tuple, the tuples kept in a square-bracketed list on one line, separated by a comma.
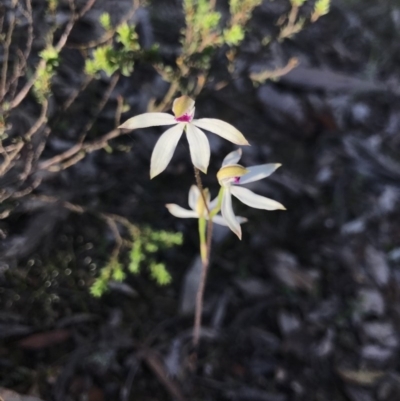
[(234, 35), (105, 21), (160, 274)]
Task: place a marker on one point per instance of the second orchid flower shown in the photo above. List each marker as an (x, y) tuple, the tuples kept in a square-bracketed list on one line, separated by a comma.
[(231, 176)]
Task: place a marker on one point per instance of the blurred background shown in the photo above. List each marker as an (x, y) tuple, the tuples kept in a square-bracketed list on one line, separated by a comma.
[(97, 279)]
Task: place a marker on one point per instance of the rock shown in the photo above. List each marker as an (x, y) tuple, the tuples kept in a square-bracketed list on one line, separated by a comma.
[(190, 286), (253, 287), (377, 266), (381, 332), (359, 394), (376, 354), (287, 271), (288, 323), (9, 395), (370, 302)]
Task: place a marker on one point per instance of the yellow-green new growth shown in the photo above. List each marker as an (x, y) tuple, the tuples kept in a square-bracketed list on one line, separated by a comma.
[(321, 8), (297, 3)]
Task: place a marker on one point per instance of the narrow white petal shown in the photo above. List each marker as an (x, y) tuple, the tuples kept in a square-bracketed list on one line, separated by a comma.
[(223, 129), (218, 219), (258, 172), (194, 194), (164, 149), (199, 147), (232, 158), (180, 212), (148, 120), (229, 215), (253, 200), (213, 203)]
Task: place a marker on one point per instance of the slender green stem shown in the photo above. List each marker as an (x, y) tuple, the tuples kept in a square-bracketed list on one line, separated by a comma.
[(219, 204), (203, 240), (205, 249)]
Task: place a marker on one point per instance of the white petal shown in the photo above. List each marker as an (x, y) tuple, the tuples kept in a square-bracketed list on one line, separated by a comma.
[(164, 149), (232, 158), (222, 129), (213, 204), (258, 172), (229, 215), (221, 221), (194, 194), (199, 147), (218, 219), (178, 211), (148, 120), (253, 200)]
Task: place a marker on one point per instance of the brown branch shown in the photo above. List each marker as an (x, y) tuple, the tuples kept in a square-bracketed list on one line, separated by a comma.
[(42, 63), (162, 106), (28, 190), (154, 362), (76, 93), (81, 146), (110, 219), (13, 154), (19, 68), (6, 53), (109, 34), (274, 74), (104, 100), (118, 111)]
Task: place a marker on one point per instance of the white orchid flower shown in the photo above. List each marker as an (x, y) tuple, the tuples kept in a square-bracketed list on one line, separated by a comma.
[(231, 176), (183, 109), (199, 209)]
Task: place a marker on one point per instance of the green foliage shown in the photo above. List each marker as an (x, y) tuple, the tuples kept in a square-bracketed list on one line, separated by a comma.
[(159, 273), (146, 244), (127, 36), (117, 55), (241, 10), (52, 5), (135, 256), (105, 21), (201, 27), (297, 3), (234, 35), (50, 55), (321, 8), (104, 59), (45, 72)]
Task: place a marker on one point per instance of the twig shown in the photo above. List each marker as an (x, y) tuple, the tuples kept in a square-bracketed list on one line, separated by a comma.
[(60, 44), (109, 34), (10, 157), (87, 147), (173, 88), (118, 111), (81, 146), (274, 74), (104, 100), (155, 363), (19, 68), (76, 93), (6, 54)]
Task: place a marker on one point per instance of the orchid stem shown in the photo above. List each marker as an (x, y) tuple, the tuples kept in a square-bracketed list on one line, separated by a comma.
[(205, 233)]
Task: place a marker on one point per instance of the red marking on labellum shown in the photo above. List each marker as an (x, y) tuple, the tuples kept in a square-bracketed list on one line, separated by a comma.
[(236, 180), (186, 118)]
